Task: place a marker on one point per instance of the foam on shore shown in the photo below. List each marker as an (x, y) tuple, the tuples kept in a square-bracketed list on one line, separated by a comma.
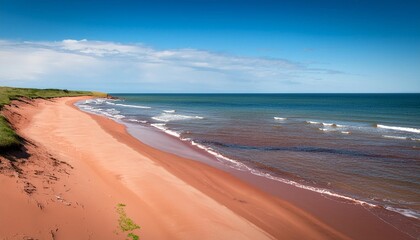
[(396, 128)]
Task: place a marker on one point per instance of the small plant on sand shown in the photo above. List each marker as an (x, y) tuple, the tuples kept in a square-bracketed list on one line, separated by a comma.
[(125, 223)]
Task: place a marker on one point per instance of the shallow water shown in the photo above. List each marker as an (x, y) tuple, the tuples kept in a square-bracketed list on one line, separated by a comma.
[(359, 146)]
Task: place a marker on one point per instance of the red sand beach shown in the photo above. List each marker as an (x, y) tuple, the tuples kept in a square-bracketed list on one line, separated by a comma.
[(81, 166)]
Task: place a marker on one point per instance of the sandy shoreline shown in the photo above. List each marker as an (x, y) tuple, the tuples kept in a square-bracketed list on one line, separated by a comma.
[(101, 165)]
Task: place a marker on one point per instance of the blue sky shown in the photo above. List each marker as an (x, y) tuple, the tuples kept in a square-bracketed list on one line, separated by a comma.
[(211, 46)]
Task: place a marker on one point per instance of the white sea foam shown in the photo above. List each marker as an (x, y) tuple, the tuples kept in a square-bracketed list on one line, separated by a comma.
[(97, 110), (162, 127), (173, 133), (88, 101), (169, 111), (118, 116), (404, 129), (313, 122), (394, 137), (327, 124), (279, 118), (335, 125), (330, 127), (105, 113), (236, 164), (86, 107), (127, 105), (132, 106), (95, 101), (405, 212), (135, 120), (112, 111), (166, 117)]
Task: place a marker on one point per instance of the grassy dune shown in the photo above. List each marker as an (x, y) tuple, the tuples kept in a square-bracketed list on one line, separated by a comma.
[(8, 137)]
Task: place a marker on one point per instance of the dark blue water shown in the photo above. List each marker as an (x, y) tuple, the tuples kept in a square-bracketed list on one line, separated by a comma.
[(360, 146)]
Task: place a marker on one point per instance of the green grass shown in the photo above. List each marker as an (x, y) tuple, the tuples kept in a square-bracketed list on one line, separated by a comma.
[(8, 137), (125, 223)]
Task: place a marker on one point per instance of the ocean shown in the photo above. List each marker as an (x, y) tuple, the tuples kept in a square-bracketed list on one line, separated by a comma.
[(360, 147)]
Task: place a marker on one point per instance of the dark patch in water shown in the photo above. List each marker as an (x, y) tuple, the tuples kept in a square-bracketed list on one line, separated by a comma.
[(298, 149)]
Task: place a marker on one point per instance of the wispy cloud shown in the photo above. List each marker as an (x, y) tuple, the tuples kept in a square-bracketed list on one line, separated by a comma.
[(136, 67)]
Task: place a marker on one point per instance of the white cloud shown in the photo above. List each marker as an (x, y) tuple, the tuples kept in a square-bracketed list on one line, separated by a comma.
[(134, 67), (30, 62)]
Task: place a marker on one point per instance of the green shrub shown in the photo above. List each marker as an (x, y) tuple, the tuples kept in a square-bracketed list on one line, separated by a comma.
[(8, 137), (125, 223)]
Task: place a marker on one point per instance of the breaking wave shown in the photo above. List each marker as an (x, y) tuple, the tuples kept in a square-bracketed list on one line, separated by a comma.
[(279, 118), (166, 117), (127, 105), (396, 128)]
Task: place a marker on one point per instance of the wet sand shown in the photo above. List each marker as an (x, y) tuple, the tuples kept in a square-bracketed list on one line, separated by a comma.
[(169, 196)]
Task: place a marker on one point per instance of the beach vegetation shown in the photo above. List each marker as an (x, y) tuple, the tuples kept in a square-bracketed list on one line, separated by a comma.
[(126, 224), (133, 236), (8, 137)]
